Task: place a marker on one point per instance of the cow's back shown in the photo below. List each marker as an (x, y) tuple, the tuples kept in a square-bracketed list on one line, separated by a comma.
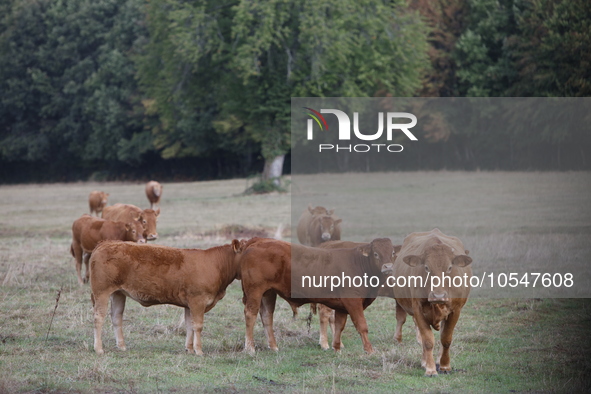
[(122, 212)]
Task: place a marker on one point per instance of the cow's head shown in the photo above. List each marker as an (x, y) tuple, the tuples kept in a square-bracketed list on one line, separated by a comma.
[(440, 261), (381, 253), (319, 210), (134, 232), (104, 198), (327, 227), (148, 219)]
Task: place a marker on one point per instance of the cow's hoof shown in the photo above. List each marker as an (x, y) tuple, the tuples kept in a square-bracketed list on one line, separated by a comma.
[(431, 374), (249, 351)]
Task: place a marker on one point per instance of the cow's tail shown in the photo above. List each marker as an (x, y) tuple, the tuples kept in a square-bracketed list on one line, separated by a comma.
[(72, 250), (314, 308)]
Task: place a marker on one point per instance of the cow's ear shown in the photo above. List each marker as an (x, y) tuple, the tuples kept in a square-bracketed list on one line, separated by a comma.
[(397, 248), (462, 260), (237, 246), (128, 226), (330, 212), (310, 209), (338, 221), (412, 260), (466, 252), (365, 250), (157, 211)]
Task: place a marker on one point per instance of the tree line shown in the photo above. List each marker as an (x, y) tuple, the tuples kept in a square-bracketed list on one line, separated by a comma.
[(201, 89)]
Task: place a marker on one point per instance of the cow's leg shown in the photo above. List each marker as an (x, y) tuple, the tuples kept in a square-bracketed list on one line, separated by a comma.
[(189, 329), (252, 304), (101, 302), (400, 320), (117, 308), (197, 312), (427, 340), (355, 308), (77, 251), (86, 258), (417, 332), (324, 315), (446, 338), (340, 319), (266, 311)]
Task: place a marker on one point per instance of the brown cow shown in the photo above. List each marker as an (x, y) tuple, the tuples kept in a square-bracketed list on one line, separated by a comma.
[(154, 193), (267, 271), (97, 201), (126, 212), (437, 304), (194, 279), (88, 231), (326, 315), (317, 225)]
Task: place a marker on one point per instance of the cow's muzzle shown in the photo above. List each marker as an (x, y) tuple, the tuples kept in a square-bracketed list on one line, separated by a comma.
[(438, 298), (141, 241), (152, 237), (387, 268), (326, 237)]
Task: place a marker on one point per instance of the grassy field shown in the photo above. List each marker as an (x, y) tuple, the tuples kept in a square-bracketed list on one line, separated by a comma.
[(500, 345)]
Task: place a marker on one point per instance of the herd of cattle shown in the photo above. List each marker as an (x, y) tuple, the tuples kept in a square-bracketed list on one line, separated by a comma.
[(196, 279)]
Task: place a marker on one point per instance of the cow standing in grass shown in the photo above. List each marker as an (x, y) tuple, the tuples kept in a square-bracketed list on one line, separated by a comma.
[(437, 305), (193, 279), (318, 225), (154, 193), (97, 201), (326, 315), (268, 267), (88, 231)]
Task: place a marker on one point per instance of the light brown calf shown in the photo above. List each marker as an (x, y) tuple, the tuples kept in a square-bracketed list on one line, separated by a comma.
[(88, 231), (431, 255), (127, 212), (97, 201), (268, 267), (193, 279), (154, 193)]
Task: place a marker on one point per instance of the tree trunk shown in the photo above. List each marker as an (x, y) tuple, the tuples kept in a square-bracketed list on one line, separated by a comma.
[(273, 168)]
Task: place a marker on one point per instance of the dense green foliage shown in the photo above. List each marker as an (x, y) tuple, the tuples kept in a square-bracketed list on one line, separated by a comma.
[(201, 88)]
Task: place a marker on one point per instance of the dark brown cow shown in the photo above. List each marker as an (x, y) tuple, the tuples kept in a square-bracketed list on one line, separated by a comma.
[(318, 225), (97, 201), (154, 193), (88, 231), (431, 255), (194, 279), (126, 212), (267, 271), (325, 314)]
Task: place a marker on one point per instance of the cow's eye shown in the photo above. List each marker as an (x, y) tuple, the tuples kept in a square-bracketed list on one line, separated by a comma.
[(427, 269), (393, 254), (133, 231), (449, 269), (376, 255), (144, 222)]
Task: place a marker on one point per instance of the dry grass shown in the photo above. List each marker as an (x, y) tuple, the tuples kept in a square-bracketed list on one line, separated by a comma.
[(500, 345)]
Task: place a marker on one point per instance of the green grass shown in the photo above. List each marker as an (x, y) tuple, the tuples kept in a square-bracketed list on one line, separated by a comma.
[(500, 344)]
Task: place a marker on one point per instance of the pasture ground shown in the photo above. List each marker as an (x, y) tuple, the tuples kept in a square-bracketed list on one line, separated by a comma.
[(500, 344)]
